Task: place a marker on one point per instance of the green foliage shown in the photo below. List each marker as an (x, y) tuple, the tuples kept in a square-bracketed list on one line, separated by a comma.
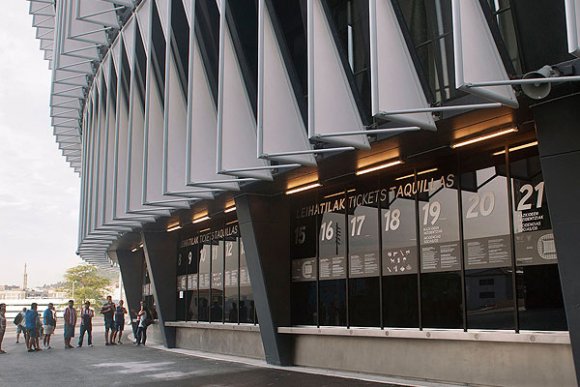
[(84, 283)]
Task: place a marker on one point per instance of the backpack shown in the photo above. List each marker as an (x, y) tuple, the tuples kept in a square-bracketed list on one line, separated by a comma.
[(18, 319)]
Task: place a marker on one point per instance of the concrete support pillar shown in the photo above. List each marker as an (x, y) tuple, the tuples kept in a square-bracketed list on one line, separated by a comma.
[(558, 131), (265, 229), (131, 266), (161, 256)]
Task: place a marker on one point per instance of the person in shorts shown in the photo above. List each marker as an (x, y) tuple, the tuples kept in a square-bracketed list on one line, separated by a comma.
[(108, 311), (31, 319), (21, 326), (70, 321), (49, 324), (120, 313)]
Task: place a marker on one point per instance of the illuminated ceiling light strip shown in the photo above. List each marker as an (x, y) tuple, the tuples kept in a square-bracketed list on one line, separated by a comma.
[(230, 209), (516, 148), (134, 249), (418, 173), (484, 137), (334, 195), (302, 188), (141, 245), (378, 167), (174, 227), (202, 219)]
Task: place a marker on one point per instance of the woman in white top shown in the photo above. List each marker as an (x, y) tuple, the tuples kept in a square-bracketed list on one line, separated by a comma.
[(142, 319)]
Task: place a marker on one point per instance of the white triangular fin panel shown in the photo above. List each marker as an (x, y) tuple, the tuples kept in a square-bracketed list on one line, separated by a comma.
[(282, 123), (476, 56), (238, 147), (129, 41), (115, 52), (332, 106), (163, 12), (397, 84), (176, 137), (152, 188), (573, 26), (189, 11), (143, 15), (202, 124), (98, 12)]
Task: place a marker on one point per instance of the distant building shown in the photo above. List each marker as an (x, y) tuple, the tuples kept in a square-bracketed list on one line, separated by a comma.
[(12, 294)]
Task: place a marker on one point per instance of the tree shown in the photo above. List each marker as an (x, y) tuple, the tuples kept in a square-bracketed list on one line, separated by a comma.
[(84, 283)]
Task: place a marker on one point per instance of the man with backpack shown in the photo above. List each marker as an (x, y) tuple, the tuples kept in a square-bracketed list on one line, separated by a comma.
[(87, 315), (20, 327)]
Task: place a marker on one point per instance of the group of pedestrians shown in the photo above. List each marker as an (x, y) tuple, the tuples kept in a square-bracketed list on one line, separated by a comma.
[(33, 326), (114, 316)]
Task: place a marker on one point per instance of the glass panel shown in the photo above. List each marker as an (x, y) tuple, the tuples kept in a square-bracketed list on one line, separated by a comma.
[(204, 281), (181, 301), (350, 19), (180, 42), (539, 293), (364, 256), (303, 250), (140, 66), (244, 29), (192, 281), (332, 264), (441, 296), (125, 77), (400, 256), (291, 17), (217, 282), (231, 283), (504, 19), (429, 26), (487, 248), (247, 308), (158, 58), (207, 30)]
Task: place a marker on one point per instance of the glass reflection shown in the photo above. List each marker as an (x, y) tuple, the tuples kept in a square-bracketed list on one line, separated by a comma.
[(332, 268), (231, 279), (364, 259), (487, 247), (539, 293), (400, 260), (441, 295), (204, 281), (247, 310)]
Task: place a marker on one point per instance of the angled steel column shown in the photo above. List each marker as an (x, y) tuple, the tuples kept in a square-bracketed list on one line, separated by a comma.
[(558, 132), (131, 265), (161, 256), (265, 229)]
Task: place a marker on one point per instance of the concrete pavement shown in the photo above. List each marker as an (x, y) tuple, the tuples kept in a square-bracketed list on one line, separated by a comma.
[(127, 365)]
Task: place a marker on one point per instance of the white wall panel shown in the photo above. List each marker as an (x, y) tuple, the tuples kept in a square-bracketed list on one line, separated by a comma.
[(237, 123), (476, 56), (332, 108), (395, 81), (278, 114)]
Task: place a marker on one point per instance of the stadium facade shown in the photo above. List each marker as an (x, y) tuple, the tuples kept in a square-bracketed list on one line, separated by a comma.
[(373, 186)]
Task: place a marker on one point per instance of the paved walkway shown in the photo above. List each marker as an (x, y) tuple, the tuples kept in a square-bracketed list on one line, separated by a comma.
[(127, 365)]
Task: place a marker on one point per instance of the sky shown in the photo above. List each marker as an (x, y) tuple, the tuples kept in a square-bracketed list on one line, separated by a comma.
[(39, 191)]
